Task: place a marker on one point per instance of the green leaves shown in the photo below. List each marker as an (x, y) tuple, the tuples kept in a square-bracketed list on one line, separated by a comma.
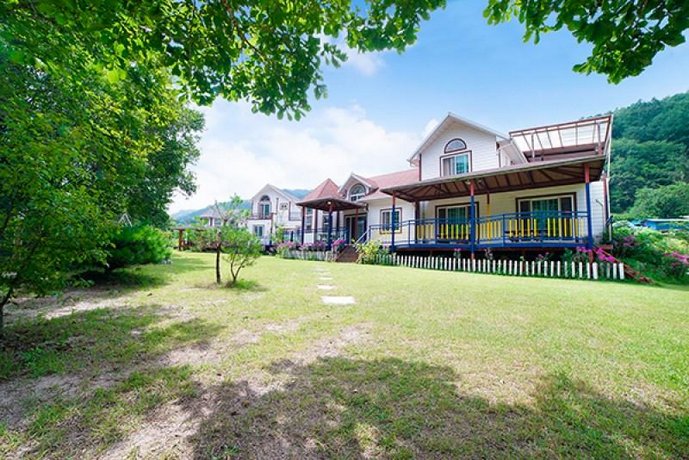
[(625, 34), (270, 53)]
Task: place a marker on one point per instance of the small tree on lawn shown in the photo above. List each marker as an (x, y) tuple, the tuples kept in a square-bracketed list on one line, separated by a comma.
[(232, 217), (241, 250)]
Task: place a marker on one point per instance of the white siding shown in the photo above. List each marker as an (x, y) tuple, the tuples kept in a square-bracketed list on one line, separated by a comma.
[(484, 154)]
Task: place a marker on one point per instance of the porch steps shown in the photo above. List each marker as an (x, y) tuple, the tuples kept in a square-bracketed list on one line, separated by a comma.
[(628, 271), (348, 255)]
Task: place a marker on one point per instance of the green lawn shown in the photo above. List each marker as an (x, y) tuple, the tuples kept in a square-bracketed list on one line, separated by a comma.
[(425, 364)]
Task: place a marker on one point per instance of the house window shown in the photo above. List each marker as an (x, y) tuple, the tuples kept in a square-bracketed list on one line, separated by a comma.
[(258, 231), (264, 207), (309, 219), (386, 219), (455, 164), (551, 204), (455, 145), (454, 214), (357, 192)]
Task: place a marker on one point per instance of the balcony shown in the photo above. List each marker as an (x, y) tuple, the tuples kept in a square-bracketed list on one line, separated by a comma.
[(543, 229)]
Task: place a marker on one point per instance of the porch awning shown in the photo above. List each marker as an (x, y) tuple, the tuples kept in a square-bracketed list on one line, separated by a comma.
[(539, 174), (330, 202)]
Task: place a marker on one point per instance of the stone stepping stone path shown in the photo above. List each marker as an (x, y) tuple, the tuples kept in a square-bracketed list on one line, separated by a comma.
[(325, 287), (338, 300)]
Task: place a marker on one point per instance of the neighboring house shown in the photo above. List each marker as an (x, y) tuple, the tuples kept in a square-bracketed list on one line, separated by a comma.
[(473, 188), (212, 217), (273, 208), (354, 207)]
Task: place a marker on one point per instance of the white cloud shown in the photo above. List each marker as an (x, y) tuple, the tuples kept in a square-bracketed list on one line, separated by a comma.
[(242, 151), (367, 64)]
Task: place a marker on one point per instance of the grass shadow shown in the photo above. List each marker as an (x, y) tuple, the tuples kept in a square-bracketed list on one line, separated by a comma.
[(246, 285), (390, 408), (78, 382)]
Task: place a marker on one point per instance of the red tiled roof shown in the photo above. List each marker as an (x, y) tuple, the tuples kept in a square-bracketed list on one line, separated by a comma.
[(325, 189), (408, 176)]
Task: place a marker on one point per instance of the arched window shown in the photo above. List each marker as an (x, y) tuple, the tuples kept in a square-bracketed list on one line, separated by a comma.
[(264, 207), (457, 158), (357, 192), (455, 145)]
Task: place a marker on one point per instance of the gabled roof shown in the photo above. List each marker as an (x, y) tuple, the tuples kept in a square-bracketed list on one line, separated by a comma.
[(449, 119), (277, 190), (326, 189), (355, 178), (408, 176)]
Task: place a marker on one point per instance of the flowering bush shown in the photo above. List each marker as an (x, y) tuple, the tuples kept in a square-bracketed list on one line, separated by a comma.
[(315, 246), (656, 254), (283, 249)]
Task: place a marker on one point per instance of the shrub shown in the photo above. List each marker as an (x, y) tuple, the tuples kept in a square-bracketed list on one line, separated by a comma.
[(656, 254), (241, 249), (282, 249), (143, 244), (369, 251)]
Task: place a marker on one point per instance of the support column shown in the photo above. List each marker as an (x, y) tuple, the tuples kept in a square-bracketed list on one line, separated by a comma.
[(330, 226), (355, 227), (337, 223), (589, 224), (180, 240), (315, 225), (303, 223), (472, 219), (392, 221), (417, 213)]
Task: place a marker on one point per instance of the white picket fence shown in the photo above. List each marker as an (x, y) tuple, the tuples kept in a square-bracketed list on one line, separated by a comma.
[(548, 269), (309, 255)]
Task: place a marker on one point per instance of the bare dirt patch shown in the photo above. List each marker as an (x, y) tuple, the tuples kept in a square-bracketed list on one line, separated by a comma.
[(166, 432), (75, 300)]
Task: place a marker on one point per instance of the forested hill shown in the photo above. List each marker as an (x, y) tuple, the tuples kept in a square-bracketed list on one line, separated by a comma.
[(650, 149)]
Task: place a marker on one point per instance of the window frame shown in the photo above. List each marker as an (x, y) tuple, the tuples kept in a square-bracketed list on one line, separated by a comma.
[(470, 165), (264, 201), (256, 227), (446, 150), (466, 204), (387, 228), (571, 195), (356, 197)]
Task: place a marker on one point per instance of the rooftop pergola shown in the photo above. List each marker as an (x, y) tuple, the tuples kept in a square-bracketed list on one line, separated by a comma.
[(584, 137)]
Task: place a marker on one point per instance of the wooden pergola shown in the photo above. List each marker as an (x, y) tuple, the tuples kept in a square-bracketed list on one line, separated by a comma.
[(329, 204)]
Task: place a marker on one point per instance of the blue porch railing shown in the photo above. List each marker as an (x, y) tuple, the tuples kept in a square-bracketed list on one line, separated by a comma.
[(532, 229)]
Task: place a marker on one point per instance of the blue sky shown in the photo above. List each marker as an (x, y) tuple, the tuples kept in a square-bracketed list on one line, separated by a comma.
[(380, 105)]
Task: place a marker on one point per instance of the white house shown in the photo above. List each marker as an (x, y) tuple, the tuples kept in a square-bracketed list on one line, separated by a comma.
[(273, 208), (473, 188)]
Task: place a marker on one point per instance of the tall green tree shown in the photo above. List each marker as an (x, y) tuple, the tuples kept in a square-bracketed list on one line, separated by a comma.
[(636, 165), (74, 157), (670, 201)]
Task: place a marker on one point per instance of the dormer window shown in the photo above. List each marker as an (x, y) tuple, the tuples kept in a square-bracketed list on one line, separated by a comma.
[(457, 159), (357, 192), (264, 207)]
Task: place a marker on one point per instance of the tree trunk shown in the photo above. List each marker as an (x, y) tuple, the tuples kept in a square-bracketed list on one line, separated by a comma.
[(6, 298), (218, 278)]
